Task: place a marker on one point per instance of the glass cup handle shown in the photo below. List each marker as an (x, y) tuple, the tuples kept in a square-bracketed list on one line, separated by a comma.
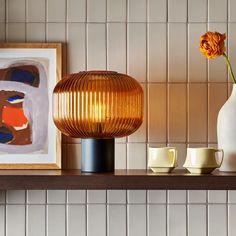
[(175, 156), (222, 155)]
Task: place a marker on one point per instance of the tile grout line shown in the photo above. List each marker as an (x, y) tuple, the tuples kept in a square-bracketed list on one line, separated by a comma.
[(147, 105), (86, 68), (5, 215), (167, 213), (167, 74), (46, 20), (6, 21), (207, 77), (46, 213), (227, 192), (106, 42), (26, 213), (66, 213), (207, 213), (187, 213), (127, 71), (26, 20), (146, 85)]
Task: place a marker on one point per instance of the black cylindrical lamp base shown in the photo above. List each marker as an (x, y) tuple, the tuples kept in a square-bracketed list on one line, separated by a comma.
[(97, 155)]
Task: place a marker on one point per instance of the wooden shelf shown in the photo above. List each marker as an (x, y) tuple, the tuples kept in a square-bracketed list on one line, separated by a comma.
[(121, 179)]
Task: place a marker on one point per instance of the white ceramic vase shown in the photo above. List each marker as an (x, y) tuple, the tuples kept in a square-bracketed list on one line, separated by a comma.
[(226, 132)]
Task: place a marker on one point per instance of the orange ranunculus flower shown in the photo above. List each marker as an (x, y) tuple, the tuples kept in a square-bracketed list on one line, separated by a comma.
[(212, 44)]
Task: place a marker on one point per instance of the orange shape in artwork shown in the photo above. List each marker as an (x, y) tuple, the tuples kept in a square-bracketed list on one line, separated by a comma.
[(14, 116)]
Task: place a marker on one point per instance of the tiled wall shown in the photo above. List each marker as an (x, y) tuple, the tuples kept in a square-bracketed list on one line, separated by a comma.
[(155, 41)]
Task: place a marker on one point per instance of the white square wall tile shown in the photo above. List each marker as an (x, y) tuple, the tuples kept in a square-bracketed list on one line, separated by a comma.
[(136, 156), (176, 220), (96, 196), (177, 10), (136, 196), (2, 32), (76, 220), (96, 220), (58, 14), (116, 47), (15, 220), (96, 51), (137, 10), (76, 196), (56, 218), (35, 10), (232, 196), (36, 32), (156, 220), (15, 32), (196, 61), (96, 10), (36, 196), (36, 224), (116, 220), (15, 196), (217, 70), (197, 222), (217, 10), (177, 112), (197, 196), (2, 10), (140, 135), (177, 196), (136, 220), (197, 10), (120, 155), (2, 196), (217, 221), (197, 112), (217, 196), (157, 52), (76, 52), (116, 10), (156, 196), (76, 10), (15, 11), (232, 13), (116, 196), (56, 196), (177, 55), (157, 127), (137, 51), (232, 45), (2, 221), (157, 10), (231, 220), (55, 32)]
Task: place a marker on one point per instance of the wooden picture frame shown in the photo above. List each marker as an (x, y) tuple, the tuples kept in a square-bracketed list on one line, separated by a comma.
[(28, 74)]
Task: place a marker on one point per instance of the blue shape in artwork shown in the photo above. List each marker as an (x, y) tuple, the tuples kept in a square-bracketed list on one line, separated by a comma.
[(5, 137), (23, 76), (15, 99)]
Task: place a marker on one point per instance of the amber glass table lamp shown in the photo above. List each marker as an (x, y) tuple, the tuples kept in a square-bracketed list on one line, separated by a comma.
[(98, 106)]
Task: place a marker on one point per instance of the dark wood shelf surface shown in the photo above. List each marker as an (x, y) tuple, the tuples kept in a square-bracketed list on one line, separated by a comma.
[(120, 179)]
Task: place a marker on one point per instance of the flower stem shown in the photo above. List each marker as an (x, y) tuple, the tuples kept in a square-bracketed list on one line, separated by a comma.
[(230, 68)]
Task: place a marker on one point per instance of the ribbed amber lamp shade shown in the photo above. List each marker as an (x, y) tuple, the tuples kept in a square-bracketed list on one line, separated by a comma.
[(98, 104)]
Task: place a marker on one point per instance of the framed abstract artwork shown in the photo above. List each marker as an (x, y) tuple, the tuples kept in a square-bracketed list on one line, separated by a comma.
[(28, 74)]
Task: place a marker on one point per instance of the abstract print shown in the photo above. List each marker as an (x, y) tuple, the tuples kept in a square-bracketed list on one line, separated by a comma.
[(23, 107)]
